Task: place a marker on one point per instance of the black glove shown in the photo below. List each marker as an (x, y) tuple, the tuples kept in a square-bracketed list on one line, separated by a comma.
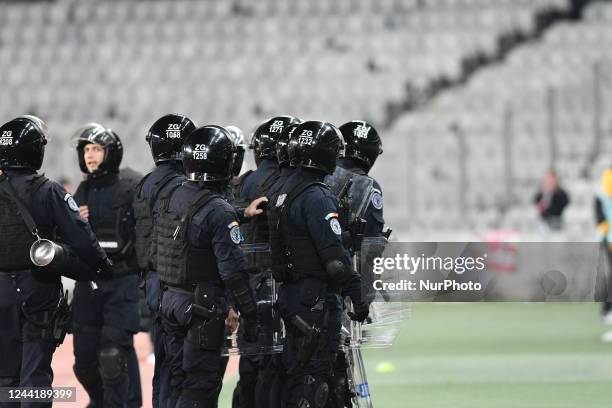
[(106, 270), (250, 329), (360, 312)]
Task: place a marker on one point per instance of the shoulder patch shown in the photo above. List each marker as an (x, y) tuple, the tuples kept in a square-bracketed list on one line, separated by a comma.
[(71, 203), (377, 200), (235, 233), (335, 226)]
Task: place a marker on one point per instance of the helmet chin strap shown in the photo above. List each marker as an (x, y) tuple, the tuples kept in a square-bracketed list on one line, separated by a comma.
[(96, 173)]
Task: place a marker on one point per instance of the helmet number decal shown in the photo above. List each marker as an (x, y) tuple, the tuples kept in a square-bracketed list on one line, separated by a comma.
[(305, 138), (276, 126), (173, 131), (200, 152), (7, 138), (362, 131)]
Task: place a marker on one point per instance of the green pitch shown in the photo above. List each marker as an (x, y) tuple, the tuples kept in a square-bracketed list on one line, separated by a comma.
[(492, 355)]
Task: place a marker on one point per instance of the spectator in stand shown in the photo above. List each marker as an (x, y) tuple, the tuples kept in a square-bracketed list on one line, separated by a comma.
[(603, 217), (551, 201)]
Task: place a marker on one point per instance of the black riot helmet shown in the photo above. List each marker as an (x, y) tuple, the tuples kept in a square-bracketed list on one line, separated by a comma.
[(362, 142), (267, 134), (22, 142), (282, 145), (166, 136), (108, 139), (317, 145), (238, 140), (208, 154)]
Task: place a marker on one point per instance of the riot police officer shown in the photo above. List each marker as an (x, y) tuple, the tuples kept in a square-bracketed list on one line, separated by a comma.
[(361, 201), (200, 262), (309, 259), (30, 327), (254, 184), (363, 146), (106, 319), (267, 372), (165, 139), (282, 153)]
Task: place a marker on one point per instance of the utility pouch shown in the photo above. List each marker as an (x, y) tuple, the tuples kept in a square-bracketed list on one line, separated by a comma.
[(206, 334), (311, 336)]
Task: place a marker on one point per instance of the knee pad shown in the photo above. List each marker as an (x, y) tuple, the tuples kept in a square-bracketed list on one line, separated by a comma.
[(316, 393), (113, 364)]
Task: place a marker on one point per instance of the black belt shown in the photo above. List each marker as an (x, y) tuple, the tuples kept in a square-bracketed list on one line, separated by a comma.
[(181, 289)]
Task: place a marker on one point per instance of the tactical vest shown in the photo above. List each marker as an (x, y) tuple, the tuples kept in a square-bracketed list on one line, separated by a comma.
[(112, 231), (178, 262), (294, 256), (16, 239), (354, 192), (257, 231), (143, 208)]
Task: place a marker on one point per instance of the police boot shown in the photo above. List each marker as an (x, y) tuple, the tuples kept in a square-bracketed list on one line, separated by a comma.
[(92, 382)]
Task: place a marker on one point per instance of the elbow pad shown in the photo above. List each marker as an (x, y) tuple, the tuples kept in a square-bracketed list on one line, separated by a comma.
[(238, 286), (333, 260)]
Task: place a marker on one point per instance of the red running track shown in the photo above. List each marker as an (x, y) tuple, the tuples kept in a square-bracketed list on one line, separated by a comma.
[(63, 360)]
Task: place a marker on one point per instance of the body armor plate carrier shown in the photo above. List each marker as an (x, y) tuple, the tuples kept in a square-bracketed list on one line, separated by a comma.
[(294, 256), (178, 262), (143, 207), (16, 239), (113, 231)]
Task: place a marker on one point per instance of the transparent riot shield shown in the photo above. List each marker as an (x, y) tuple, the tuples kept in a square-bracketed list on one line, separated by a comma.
[(271, 329), (379, 330), (355, 188), (357, 377), (386, 310)]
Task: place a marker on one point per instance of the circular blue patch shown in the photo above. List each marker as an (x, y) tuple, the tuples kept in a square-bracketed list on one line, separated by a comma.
[(71, 203), (377, 200), (335, 226), (236, 234)]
